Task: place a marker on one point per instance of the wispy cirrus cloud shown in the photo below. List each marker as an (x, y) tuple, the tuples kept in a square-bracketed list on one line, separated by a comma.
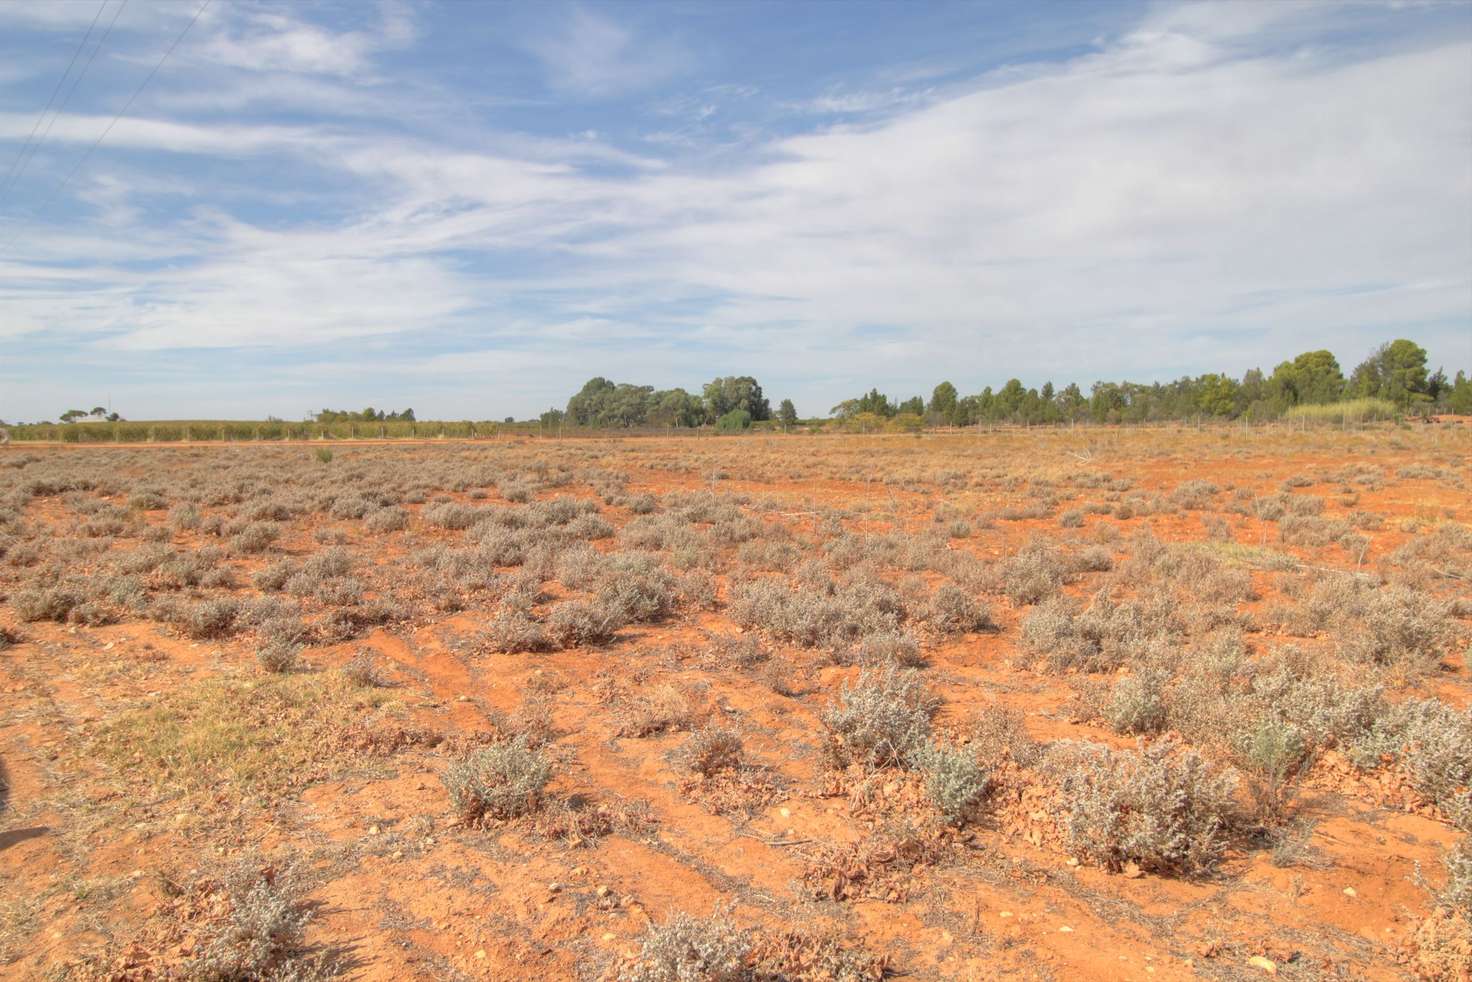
[(592, 55)]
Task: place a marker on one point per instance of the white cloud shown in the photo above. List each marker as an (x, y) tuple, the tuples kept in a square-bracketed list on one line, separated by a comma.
[(278, 40), (138, 132), (1136, 210), (593, 55)]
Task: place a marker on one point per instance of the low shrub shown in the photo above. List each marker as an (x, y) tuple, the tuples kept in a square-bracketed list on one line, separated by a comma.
[(578, 622), (952, 611), (512, 630), (275, 576), (1457, 894), (1162, 807), (210, 618), (386, 520), (52, 603), (1038, 571), (1138, 704), (688, 949), (1272, 755), (954, 780), (502, 781), (890, 648), (449, 515), (881, 720), (362, 670), (821, 614), (998, 734), (261, 936), (637, 587), (1435, 747), (279, 656), (1102, 636), (255, 537), (710, 750)]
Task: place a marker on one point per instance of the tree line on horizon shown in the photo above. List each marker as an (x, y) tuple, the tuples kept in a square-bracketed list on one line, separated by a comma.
[(368, 415), (1395, 373)]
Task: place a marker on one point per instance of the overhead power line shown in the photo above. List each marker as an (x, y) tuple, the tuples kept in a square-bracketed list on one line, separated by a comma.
[(16, 165), (82, 162), (77, 81)]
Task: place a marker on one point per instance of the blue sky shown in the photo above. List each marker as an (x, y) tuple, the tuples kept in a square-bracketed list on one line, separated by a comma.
[(472, 208)]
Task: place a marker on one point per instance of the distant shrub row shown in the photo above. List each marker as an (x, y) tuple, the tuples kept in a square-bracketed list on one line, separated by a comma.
[(184, 431)]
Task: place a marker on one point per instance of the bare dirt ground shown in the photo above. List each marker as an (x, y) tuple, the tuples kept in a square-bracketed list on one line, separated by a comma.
[(1107, 704)]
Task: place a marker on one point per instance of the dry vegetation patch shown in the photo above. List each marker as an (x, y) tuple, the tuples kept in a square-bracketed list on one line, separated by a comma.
[(861, 697)]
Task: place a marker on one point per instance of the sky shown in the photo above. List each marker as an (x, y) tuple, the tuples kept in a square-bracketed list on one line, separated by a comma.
[(252, 208)]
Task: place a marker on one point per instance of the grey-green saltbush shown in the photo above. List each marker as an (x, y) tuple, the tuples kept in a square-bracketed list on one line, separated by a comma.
[(503, 781)]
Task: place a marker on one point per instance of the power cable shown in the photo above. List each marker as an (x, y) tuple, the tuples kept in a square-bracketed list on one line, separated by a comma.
[(75, 82), (126, 106), (15, 166)]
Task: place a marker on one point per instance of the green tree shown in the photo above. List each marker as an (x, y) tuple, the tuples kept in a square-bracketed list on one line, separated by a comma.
[(1071, 402), (1010, 398), (1395, 371), (943, 403), (1459, 399), (914, 406), (787, 414), (676, 407), (722, 395), (873, 402), (1217, 395), (1313, 378), (585, 407)]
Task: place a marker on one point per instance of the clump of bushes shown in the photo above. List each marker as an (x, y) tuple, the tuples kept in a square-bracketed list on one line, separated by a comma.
[(362, 670), (502, 781), (279, 656), (821, 613), (882, 720), (689, 949), (1103, 635), (213, 618), (255, 537), (953, 611), (711, 750), (1162, 807), (579, 622), (890, 648), (262, 935), (637, 587), (954, 780), (52, 603)]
